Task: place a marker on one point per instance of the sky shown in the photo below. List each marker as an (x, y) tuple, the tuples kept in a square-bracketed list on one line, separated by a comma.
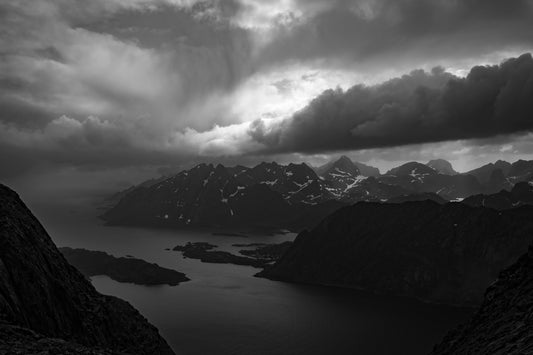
[(112, 92)]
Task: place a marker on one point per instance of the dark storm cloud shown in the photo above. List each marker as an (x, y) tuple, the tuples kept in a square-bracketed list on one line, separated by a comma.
[(351, 33), (416, 108)]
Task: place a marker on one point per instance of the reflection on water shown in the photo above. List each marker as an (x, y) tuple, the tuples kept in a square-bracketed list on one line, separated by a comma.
[(225, 310)]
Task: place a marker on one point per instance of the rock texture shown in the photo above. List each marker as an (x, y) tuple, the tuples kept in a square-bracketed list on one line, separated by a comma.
[(16, 340), (41, 291), (503, 325), (137, 271), (441, 253)]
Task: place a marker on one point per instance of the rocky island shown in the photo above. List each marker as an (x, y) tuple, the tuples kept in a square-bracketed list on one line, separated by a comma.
[(260, 256), (128, 269), (203, 252), (267, 252)]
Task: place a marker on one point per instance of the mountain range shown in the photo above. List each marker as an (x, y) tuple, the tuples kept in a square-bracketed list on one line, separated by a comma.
[(296, 196)]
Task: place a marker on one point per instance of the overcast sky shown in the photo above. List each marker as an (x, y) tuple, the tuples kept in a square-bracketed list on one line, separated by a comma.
[(128, 89)]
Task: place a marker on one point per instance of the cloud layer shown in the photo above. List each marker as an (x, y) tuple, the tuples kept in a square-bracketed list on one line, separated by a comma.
[(108, 83), (417, 108)]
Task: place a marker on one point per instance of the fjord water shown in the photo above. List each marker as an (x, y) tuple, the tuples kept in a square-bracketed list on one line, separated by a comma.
[(225, 310)]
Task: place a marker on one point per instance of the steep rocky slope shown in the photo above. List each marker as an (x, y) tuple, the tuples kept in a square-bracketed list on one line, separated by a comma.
[(41, 291), (443, 253), (502, 325)]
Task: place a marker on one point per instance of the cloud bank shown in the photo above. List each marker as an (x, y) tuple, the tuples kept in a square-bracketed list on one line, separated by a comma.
[(417, 108)]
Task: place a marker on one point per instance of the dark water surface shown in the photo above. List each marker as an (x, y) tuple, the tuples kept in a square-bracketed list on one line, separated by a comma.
[(225, 310)]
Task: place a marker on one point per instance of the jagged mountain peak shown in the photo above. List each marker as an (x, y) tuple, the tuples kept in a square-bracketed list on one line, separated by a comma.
[(442, 166), (344, 159), (342, 165)]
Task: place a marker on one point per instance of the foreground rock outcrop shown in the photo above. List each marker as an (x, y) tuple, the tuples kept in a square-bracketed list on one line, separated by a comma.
[(40, 291), (503, 325), (440, 253)]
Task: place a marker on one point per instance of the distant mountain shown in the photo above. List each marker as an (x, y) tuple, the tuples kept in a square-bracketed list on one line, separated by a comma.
[(271, 195), (363, 169), (43, 298), (413, 169), (267, 196), (420, 178), (367, 170), (341, 175), (502, 325), (295, 182), (344, 164), (345, 181), (521, 170), (503, 175), (203, 195), (373, 189), (484, 173), (521, 194), (441, 253), (442, 166)]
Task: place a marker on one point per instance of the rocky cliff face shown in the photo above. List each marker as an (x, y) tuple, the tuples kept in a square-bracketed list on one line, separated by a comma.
[(41, 291), (441, 253), (502, 326)]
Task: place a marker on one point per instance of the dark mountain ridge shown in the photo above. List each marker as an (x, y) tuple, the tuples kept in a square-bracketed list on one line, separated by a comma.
[(440, 253), (521, 194), (41, 291)]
